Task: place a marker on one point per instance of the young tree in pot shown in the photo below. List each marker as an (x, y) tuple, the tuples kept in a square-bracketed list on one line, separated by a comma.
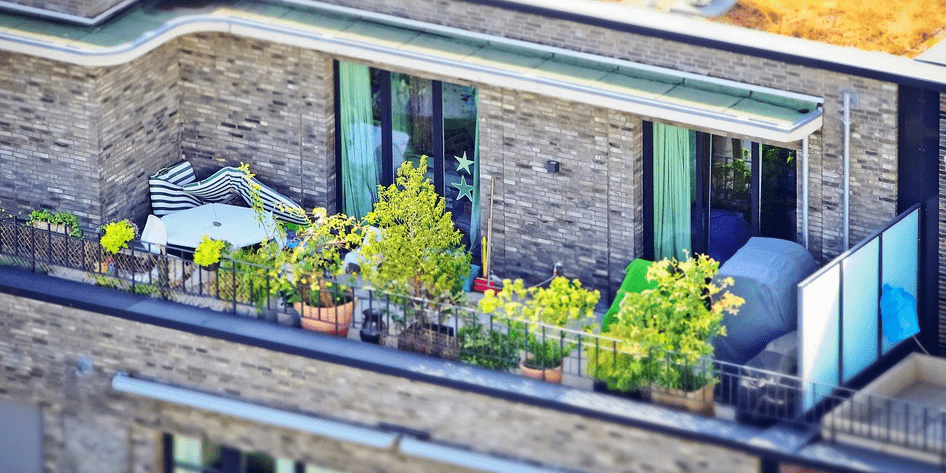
[(309, 272), (418, 257), (537, 314), (664, 335)]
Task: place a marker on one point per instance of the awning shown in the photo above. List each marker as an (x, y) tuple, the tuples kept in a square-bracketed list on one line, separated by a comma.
[(655, 93)]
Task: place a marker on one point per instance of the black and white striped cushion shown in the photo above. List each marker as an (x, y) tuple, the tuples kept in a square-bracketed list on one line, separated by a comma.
[(167, 192)]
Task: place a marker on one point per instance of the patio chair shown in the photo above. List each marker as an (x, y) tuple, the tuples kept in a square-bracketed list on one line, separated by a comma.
[(154, 238)]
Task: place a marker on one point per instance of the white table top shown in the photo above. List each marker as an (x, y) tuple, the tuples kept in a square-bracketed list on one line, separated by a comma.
[(236, 225)]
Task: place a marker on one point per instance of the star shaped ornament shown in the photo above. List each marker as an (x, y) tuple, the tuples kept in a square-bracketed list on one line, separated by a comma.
[(464, 163), (464, 189)]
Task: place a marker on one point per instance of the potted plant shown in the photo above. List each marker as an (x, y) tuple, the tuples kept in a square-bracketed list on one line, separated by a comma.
[(417, 257), (59, 222), (114, 239), (663, 336), (538, 314), (310, 272), (209, 251), (490, 347)]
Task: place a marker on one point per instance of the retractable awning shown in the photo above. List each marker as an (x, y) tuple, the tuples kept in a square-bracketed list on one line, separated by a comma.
[(655, 93)]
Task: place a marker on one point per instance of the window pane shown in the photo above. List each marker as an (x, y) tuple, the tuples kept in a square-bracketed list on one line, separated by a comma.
[(730, 196), (461, 169), (285, 466), (258, 462), (411, 113), (187, 450), (779, 194)]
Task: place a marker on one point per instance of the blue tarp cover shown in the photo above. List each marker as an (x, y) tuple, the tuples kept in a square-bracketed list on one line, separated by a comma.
[(766, 273)]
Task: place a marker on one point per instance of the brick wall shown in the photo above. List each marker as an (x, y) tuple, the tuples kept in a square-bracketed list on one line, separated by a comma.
[(90, 428), (83, 8), (48, 137), (85, 140), (137, 116), (584, 216), (267, 104)]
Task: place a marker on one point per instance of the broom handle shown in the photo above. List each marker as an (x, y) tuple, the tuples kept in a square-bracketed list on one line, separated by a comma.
[(489, 229)]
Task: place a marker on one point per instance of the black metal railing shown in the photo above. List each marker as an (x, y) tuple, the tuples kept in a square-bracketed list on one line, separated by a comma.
[(753, 395)]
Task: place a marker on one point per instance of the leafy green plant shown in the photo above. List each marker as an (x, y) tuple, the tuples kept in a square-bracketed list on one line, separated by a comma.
[(248, 275), (116, 235), (66, 219), (662, 334), (419, 252), (536, 312), (308, 271), (487, 347), (209, 251)]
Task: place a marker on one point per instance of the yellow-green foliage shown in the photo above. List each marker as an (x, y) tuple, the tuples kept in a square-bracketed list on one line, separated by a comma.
[(117, 235), (663, 332), (419, 252), (899, 28), (209, 251), (563, 304)]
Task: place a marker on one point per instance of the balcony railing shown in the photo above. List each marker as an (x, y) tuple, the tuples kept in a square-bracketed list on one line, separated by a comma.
[(748, 394)]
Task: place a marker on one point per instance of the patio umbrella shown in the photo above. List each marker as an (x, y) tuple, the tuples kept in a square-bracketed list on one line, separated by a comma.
[(898, 313)]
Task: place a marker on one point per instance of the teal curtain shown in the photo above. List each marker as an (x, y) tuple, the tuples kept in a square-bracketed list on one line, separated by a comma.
[(360, 176), (672, 192)]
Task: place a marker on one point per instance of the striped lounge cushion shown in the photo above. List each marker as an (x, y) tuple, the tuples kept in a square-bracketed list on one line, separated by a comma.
[(167, 191), (220, 187)]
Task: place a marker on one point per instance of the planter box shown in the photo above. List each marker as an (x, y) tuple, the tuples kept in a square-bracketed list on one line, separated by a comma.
[(698, 402), (431, 339)]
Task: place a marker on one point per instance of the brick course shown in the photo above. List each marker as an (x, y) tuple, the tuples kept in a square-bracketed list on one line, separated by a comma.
[(81, 414)]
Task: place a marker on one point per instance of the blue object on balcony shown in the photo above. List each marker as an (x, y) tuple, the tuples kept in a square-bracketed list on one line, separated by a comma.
[(898, 313)]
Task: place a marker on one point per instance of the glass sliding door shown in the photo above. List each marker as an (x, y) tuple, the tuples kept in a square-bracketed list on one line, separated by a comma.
[(709, 194), (411, 119), (395, 117), (779, 193), (461, 163)]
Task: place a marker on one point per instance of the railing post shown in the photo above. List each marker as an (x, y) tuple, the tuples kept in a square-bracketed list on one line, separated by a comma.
[(33, 248)]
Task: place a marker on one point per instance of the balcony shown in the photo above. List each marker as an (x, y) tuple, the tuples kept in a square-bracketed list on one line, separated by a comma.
[(746, 403)]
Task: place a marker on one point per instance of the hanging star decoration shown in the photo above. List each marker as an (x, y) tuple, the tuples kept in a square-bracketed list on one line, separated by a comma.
[(463, 189), (464, 163)]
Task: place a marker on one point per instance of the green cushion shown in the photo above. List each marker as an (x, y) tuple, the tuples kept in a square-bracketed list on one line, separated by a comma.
[(635, 280)]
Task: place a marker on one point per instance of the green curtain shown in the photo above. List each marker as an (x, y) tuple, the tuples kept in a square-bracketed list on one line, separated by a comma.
[(360, 175), (672, 195)]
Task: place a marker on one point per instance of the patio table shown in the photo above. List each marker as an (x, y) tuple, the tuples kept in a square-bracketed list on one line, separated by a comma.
[(231, 223)]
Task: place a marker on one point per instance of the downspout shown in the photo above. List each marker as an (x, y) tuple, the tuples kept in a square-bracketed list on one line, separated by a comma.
[(804, 190), (846, 204)]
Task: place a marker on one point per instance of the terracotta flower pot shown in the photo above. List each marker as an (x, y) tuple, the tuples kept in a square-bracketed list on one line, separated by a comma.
[(332, 320), (549, 375)]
